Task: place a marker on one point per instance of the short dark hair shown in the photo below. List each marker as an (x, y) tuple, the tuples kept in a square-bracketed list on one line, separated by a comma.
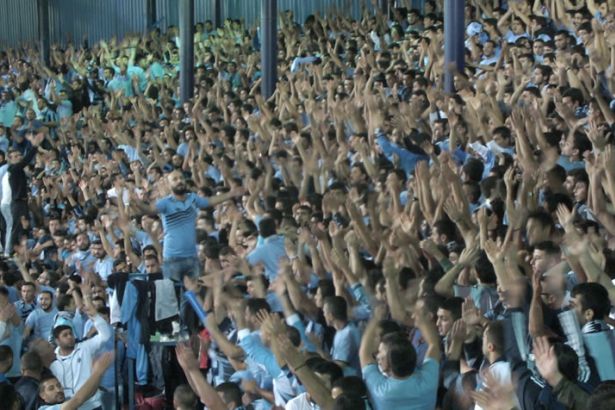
[(338, 307), (59, 329), (401, 354), (352, 385), (542, 217), (495, 335), (47, 292), (549, 247), (348, 402), (255, 305), (567, 360), (32, 361), (185, 396), (594, 296), (503, 131), (10, 396), (386, 327), (231, 393), (452, 305), (446, 228), (331, 369), (266, 227)]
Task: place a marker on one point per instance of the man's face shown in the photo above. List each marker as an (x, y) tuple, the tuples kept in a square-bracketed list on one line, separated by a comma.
[(538, 48), (52, 392), (541, 261), (97, 250), (177, 182), (444, 321), (535, 232), (580, 191), (152, 265), (488, 49), (356, 175), (15, 157), (561, 42), (327, 314), (576, 304), (436, 237), (83, 243), (66, 339), (538, 78), (44, 301), (382, 358), (27, 293), (516, 27), (569, 184)]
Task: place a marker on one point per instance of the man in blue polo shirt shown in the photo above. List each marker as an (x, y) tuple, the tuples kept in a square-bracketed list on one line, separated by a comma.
[(393, 377), (178, 212)]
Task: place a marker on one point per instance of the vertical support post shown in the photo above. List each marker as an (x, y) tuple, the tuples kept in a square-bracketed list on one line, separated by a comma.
[(151, 15), (43, 30), (217, 13), (383, 5), (130, 365), (454, 48), (186, 49), (269, 52)]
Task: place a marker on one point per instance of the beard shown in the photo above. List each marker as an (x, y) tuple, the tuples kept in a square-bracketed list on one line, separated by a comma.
[(180, 190)]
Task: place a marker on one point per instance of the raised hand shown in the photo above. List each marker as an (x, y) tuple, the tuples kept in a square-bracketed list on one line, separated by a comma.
[(565, 216), (495, 395), (470, 313), (546, 361), (469, 255), (185, 357)]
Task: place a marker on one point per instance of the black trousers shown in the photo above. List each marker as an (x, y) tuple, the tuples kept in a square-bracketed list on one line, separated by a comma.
[(19, 209)]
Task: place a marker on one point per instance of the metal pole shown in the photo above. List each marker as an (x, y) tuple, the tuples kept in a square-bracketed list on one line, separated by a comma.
[(383, 5), (43, 29), (130, 364), (217, 13), (150, 15), (186, 49), (269, 52), (454, 48)]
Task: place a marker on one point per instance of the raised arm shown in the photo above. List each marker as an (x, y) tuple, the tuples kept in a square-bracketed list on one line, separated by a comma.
[(188, 362), (91, 385)]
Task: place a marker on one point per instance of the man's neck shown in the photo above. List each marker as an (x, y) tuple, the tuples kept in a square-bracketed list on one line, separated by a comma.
[(32, 375), (493, 357), (66, 351), (339, 325)]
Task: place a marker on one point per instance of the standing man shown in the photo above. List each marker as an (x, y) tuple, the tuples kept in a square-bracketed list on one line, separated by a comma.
[(27, 303), (14, 202), (179, 213), (40, 321)]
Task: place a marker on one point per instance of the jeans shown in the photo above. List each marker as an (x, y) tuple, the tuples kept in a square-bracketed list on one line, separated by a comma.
[(176, 268), (107, 397)]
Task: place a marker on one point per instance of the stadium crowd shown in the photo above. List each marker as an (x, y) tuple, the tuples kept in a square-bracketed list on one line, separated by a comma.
[(360, 240)]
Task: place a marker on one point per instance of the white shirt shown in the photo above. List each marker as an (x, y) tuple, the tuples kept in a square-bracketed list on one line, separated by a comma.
[(5, 186), (301, 402), (75, 369)]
